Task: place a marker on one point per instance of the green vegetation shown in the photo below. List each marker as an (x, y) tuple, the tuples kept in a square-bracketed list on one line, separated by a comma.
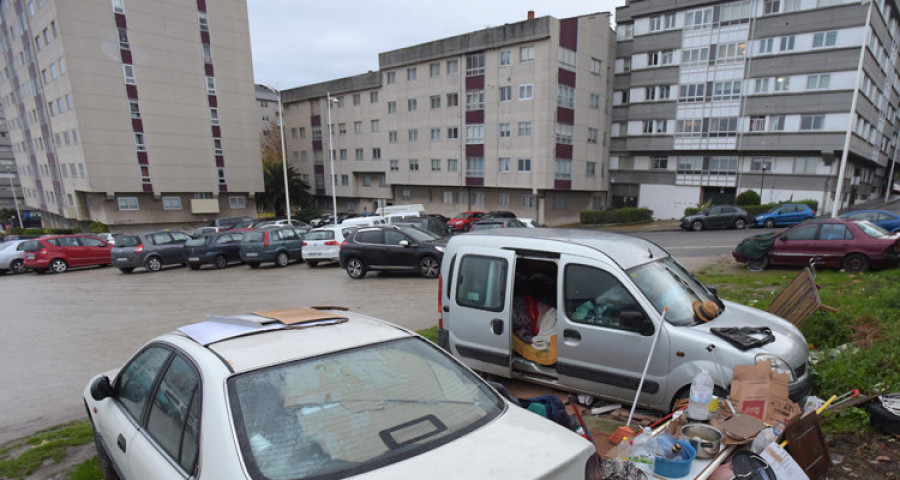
[(88, 470), (620, 215), (98, 227), (19, 459), (747, 197)]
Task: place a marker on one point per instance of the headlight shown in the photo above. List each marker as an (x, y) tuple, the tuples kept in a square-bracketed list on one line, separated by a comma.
[(778, 365), (440, 249)]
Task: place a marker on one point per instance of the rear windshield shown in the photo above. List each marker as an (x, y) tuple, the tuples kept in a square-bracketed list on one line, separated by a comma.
[(197, 242), (32, 245), (128, 241), (257, 236), (320, 235)]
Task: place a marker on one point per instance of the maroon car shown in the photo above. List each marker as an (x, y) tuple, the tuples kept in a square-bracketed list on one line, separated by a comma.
[(463, 222), (854, 246), (59, 252)]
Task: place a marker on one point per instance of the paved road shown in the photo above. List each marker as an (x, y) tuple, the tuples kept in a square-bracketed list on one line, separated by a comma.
[(59, 330)]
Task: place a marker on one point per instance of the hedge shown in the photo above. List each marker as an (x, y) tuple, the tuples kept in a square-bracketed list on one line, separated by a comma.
[(41, 231), (621, 215)]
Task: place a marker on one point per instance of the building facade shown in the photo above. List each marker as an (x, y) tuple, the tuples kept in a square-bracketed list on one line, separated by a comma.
[(137, 114), (795, 99), (507, 118), (269, 118)]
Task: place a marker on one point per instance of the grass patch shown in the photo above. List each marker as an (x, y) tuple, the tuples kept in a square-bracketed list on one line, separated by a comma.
[(429, 333), (19, 459), (87, 470)]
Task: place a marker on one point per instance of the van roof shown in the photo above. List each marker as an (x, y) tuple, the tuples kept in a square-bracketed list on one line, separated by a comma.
[(625, 250)]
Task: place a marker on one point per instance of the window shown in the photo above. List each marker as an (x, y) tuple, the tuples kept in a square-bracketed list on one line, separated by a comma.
[(824, 39), (524, 129), (392, 106), (435, 101), (128, 70), (356, 99), (526, 91), (695, 56), (237, 203), (730, 90), (565, 96), (505, 94), (723, 126), (118, 6), (359, 155), (503, 165), (412, 105), (659, 163), (761, 85), (139, 144), (759, 163), (766, 44), (475, 167), (413, 165), (558, 202), (177, 430), (435, 164), (652, 59), (475, 100), (392, 136), (135, 383), (435, 134), (211, 85), (526, 54), (474, 64), (594, 101), (391, 77), (217, 146), (731, 52), (452, 67), (590, 169), (564, 133), (771, 6), (758, 124), (503, 199), (689, 128), (805, 164), (505, 57), (812, 122), (452, 132), (413, 135), (376, 153), (452, 165), (787, 43), (434, 69), (698, 19), (566, 59), (481, 283), (504, 130), (524, 165), (596, 66), (475, 134), (395, 165), (593, 134), (819, 81), (357, 127), (782, 84), (374, 125), (666, 57)]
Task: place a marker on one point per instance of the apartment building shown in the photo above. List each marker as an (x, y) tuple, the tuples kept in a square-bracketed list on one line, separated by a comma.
[(137, 114), (267, 100), (513, 117), (796, 99)]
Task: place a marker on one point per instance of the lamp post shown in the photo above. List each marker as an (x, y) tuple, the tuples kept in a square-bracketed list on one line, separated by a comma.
[(12, 187), (287, 193), (331, 155), (762, 181)]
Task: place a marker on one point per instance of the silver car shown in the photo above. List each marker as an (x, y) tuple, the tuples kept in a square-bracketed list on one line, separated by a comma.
[(12, 256)]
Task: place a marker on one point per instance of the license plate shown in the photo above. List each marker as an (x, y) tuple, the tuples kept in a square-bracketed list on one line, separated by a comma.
[(194, 259), (121, 259), (251, 254), (30, 256)]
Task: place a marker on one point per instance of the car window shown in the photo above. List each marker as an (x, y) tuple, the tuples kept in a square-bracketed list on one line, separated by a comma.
[(860, 216), (173, 420), (128, 241), (835, 231), (161, 238), (21, 247), (370, 236), (321, 235), (596, 297), (201, 241), (418, 234), (32, 245), (482, 282), (355, 410), (872, 230), (803, 233), (879, 217), (256, 236), (393, 237), (90, 241), (288, 234), (180, 237), (134, 383)]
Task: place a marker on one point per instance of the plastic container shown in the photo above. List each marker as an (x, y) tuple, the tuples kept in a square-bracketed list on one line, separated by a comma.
[(678, 467), (701, 396), (623, 450), (642, 452)]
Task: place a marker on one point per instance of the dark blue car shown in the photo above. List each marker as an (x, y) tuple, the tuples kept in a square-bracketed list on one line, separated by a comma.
[(886, 220), (217, 249), (786, 214)]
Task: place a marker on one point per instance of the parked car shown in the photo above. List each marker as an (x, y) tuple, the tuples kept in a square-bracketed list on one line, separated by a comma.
[(278, 245), (151, 250), (786, 214), (394, 248), (500, 214), (354, 397), (217, 249), (429, 224), (717, 216), (199, 232), (887, 220), (58, 253), (835, 242), (106, 237), (283, 222), (529, 222), (12, 256), (607, 293), (439, 217), (323, 244), (463, 222), (489, 223), (226, 223)]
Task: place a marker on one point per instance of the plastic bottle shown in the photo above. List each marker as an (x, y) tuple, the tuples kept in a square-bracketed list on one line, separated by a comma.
[(623, 451), (701, 396), (668, 447), (642, 452), (763, 439)]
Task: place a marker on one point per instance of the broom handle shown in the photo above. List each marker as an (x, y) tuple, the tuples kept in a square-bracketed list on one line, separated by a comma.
[(646, 366)]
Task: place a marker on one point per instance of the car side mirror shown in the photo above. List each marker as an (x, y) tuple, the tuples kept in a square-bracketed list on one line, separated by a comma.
[(713, 290), (404, 243), (783, 239), (634, 321), (101, 388)]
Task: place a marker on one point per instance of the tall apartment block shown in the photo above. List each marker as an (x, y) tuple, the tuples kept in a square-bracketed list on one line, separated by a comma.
[(137, 114), (796, 99), (269, 117), (508, 118)]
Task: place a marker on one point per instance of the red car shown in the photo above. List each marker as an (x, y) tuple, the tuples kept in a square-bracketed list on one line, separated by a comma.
[(59, 252), (854, 246), (463, 222)]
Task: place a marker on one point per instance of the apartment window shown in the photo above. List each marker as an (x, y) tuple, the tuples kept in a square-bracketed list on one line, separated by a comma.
[(766, 45), (136, 111), (590, 169), (452, 99), (695, 56), (723, 126), (730, 90), (771, 6), (373, 97), (366, 182), (452, 132), (731, 52), (475, 64), (524, 165), (171, 203), (447, 197), (412, 105), (503, 199), (391, 77), (787, 43), (761, 85), (562, 169), (526, 54), (475, 134), (345, 180), (301, 132), (805, 164), (596, 66), (374, 125), (564, 133), (434, 69), (359, 155), (356, 99), (475, 167), (207, 54), (565, 96), (524, 129), (652, 59), (237, 203), (128, 203), (526, 91), (217, 146), (452, 67), (812, 122), (659, 163), (357, 127), (123, 39), (139, 144), (594, 100), (593, 134), (566, 59), (342, 128), (220, 172), (505, 94), (782, 84), (452, 165), (505, 57), (211, 85), (376, 153), (818, 82), (475, 100), (395, 165), (118, 6), (413, 165), (626, 64), (435, 164), (410, 74), (128, 70), (503, 164), (689, 128), (824, 39), (413, 135), (392, 106), (698, 19), (435, 134), (435, 101), (758, 124), (758, 164), (342, 153), (722, 165)]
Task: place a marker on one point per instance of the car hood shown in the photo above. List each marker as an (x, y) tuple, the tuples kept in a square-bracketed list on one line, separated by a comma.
[(688, 218), (496, 450), (789, 343)]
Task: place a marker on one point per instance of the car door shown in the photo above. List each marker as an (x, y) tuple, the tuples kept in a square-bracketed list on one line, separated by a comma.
[(605, 334), (479, 308), (96, 252), (833, 241), (796, 247), (72, 251), (230, 245), (714, 217), (177, 246), (399, 250), (369, 247)]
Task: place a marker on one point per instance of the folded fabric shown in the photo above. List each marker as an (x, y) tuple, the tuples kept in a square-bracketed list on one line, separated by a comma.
[(547, 329)]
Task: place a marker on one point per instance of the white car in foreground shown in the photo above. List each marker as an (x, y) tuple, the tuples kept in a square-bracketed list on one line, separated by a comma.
[(312, 393)]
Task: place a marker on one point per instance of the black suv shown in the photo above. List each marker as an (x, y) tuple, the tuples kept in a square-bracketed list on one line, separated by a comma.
[(718, 216), (392, 247)]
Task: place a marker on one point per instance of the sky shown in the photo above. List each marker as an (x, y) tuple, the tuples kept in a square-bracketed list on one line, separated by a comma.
[(301, 42)]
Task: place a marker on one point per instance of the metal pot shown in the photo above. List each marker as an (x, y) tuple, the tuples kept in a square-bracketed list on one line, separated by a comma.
[(705, 439)]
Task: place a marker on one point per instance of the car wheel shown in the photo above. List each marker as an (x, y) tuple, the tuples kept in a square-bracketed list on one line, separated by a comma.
[(17, 266), (106, 465), (58, 265), (758, 263), (355, 268), (281, 259), (220, 262), (770, 223), (153, 264), (855, 262), (194, 266), (740, 223), (253, 264), (429, 267), (697, 226), (312, 263), (126, 269)]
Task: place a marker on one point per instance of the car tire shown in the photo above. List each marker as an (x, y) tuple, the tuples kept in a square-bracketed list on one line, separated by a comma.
[(281, 259), (883, 419), (740, 223), (697, 225), (220, 262), (855, 262), (153, 264), (429, 267), (758, 263), (312, 263), (58, 265), (194, 266), (253, 264), (106, 465), (126, 269), (16, 266), (769, 223), (356, 268)]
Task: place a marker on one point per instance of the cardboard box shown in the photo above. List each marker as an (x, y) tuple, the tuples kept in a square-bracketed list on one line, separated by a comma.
[(758, 391)]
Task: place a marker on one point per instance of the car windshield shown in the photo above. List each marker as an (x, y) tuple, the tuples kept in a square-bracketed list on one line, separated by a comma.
[(197, 242), (667, 284), (774, 209), (462, 216), (320, 235), (355, 410), (418, 234), (128, 241), (872, 230)]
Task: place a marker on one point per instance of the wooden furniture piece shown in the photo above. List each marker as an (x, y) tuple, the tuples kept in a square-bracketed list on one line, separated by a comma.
[(799, 300)]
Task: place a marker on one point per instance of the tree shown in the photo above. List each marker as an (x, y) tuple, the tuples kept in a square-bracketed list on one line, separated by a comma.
[(273, 176)]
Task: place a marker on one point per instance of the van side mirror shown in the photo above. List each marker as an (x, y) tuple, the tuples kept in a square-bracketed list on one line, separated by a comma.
[(404, 243), (713, 290), (635, 321), (101, 388)]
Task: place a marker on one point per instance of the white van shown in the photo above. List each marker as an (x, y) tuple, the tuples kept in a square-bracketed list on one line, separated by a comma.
[(598, 298), (369, 221), (416, 209)]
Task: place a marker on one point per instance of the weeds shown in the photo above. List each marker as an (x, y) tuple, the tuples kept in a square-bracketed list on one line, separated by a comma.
[(19, 459)]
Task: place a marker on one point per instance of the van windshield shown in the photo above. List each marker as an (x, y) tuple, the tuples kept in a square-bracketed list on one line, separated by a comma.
[(667, 284)]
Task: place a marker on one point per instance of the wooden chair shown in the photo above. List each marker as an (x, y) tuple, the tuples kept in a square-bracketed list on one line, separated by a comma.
[(800, 299)]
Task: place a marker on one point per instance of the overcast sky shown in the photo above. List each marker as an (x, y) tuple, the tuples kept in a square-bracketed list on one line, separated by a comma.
[(297, 43)]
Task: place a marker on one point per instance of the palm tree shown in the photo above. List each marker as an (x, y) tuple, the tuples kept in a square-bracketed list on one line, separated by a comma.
[(273, 197)]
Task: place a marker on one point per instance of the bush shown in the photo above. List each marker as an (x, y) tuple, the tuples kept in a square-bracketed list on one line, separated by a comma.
[(308, 214), (754, 210), (747, 197), (691, 210), (98, 227), (621, 215), (813, 204)]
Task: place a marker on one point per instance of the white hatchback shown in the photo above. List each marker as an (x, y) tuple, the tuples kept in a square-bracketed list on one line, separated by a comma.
[(323, 244), (312, 393)]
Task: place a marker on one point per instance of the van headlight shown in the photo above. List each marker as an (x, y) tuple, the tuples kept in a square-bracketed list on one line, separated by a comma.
[(778, 365)]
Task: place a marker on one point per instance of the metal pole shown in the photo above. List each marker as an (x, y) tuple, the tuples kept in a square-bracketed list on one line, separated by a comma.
[(331, 155), (287, 193), (762, 181), (890, 178), (16, 200)]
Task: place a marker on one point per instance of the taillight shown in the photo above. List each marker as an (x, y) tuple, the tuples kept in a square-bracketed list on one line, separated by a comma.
[(266, 238), (440, 302), (331, 243), (42, 252), (304, 244), (343, 244), (139, 248)]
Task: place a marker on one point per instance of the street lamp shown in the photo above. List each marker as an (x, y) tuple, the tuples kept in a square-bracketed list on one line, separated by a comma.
[(12, 187), (331, 155), (761, 182), (287, 193)]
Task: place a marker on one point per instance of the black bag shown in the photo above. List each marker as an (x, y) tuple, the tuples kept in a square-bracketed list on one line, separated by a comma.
[(743, 337), (747, 465)]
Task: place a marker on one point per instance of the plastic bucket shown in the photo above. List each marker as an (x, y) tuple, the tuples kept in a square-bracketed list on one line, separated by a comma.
[(676, 468)]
